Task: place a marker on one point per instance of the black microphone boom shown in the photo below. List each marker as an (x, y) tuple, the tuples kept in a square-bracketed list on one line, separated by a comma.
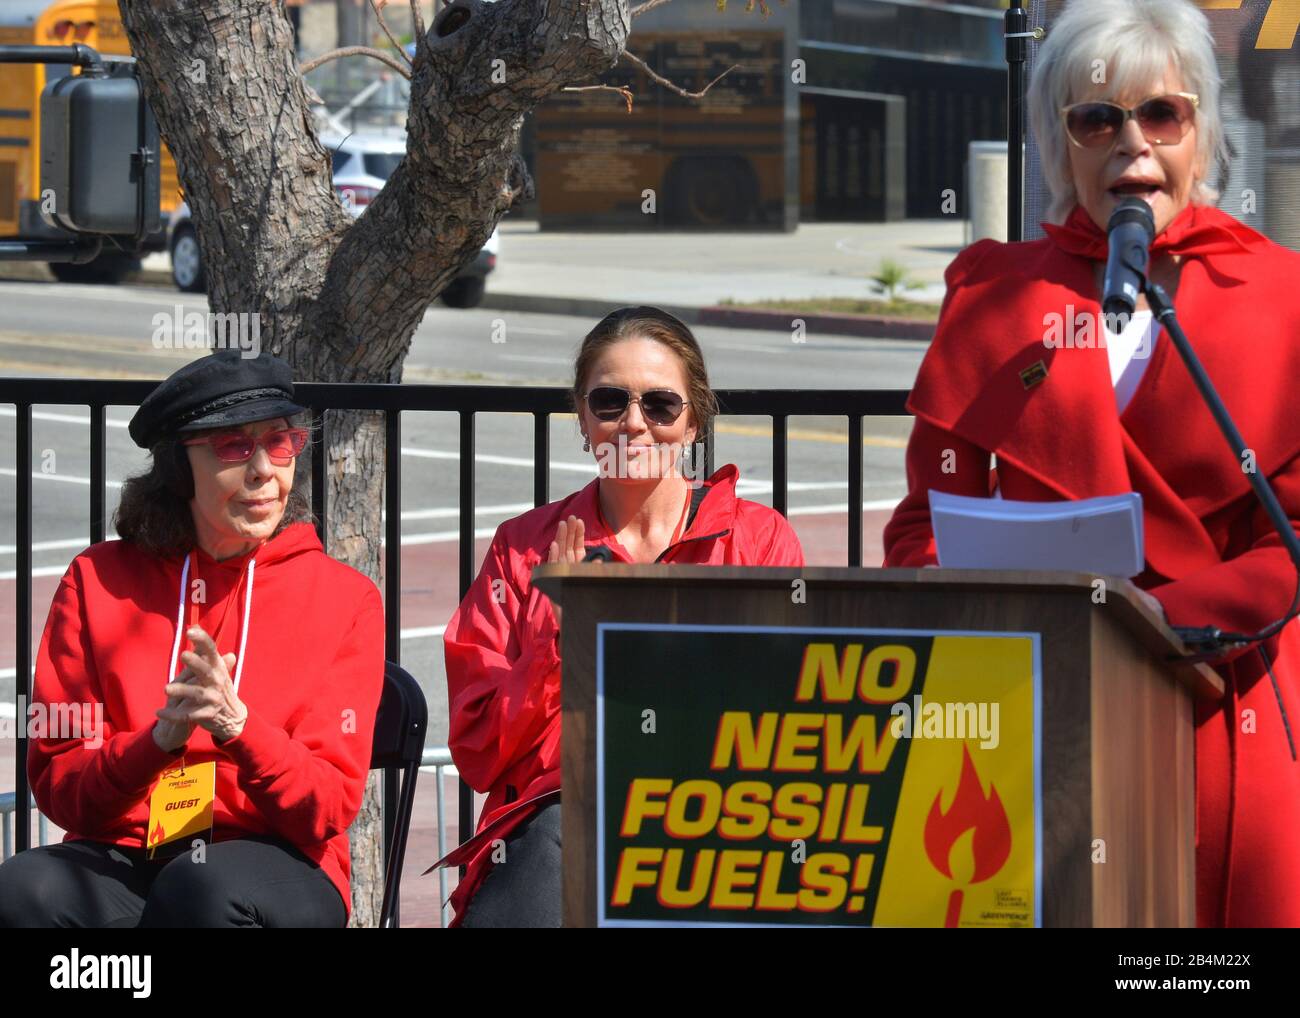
[(1130, 231)]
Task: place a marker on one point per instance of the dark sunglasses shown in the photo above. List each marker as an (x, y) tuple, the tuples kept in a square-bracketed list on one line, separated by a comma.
[(236, 447), (1163, 120), (660, 406)]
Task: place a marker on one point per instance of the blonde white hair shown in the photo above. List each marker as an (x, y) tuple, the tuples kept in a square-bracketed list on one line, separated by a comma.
[(1135, 41)]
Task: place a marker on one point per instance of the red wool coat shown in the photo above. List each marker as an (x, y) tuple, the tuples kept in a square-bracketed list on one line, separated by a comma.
[(503, 656), (1212, 556)]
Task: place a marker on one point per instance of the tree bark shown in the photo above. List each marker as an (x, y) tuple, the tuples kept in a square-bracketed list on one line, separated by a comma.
[(340, 300)]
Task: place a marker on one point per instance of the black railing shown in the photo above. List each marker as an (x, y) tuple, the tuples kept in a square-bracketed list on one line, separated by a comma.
[(392, 400)]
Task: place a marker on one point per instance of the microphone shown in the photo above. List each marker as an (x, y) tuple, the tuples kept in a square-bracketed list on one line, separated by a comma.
[(599, 553), (1131, 230)]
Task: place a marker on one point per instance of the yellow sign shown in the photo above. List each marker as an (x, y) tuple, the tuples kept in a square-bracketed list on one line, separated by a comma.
[(180, 808), (808, 776)]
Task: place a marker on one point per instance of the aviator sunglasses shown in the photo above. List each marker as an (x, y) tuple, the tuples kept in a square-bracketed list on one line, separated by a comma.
[(1163, 120), (281, 446), (660, 406)]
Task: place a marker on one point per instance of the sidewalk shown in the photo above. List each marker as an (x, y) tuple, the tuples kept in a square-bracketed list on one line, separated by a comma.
[(587, 274)]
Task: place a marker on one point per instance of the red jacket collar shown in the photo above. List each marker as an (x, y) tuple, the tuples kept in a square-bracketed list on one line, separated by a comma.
[(1197, 230), (715, 516), (292, 540), (1063, 430)]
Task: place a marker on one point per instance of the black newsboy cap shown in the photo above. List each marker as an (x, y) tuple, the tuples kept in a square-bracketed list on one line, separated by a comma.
[(222, 389)]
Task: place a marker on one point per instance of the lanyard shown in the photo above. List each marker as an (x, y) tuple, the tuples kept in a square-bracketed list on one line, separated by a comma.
[(194, 614)]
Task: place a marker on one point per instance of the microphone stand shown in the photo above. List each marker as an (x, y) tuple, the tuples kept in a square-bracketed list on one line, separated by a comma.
[(1211, 641)]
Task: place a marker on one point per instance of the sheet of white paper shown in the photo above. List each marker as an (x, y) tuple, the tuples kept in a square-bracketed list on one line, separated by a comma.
[(1094, 535)]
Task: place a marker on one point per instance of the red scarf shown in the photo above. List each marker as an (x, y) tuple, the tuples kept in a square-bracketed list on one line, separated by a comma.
[(1197, 230)]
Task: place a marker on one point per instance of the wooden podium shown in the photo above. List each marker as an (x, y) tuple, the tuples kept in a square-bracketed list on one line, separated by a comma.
[(1094, 784)]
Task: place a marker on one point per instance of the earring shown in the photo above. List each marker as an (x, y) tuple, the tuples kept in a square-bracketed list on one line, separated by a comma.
[(586, 444)]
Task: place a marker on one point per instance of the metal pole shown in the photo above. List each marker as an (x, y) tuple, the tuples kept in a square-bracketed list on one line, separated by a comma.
[(1017, 40)]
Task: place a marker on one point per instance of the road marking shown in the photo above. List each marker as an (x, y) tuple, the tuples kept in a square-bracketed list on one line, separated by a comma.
[(159, 298), (452, 512), (534, 358), (747, 430), (64, 478), (751, 347), (811, 435), (843, 507)]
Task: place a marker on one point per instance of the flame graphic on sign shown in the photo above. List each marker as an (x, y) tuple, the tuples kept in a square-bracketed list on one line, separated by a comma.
[(971, 810), (157, 834)]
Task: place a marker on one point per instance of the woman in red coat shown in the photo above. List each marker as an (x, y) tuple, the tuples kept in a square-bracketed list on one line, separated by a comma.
[(1023, 368), (642, 396)]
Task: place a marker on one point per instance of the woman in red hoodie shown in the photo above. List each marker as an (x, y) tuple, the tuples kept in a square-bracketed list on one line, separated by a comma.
[(1024, 367), (252, 761), (642, 396)]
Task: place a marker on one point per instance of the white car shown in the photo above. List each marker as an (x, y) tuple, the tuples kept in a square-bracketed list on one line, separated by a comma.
[(362, 165)]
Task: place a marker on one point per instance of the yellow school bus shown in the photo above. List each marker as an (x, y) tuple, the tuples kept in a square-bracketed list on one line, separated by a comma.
[(61, 23)]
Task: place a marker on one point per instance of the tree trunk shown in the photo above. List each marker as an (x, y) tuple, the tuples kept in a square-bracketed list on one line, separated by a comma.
[(340, 300)]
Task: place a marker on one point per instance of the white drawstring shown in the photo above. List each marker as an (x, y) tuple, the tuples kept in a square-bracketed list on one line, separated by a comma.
[(243, 630), (180, 624)]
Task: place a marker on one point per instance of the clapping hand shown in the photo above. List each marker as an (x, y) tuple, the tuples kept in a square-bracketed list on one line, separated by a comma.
[(204, 694)]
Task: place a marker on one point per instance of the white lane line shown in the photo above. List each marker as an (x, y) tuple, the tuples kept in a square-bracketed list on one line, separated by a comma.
[(588, 468), (408, 541), (433, 454), (750, 347), (161, 299), (71, 542), (513, 509), (843, 507), (452, 512), (64, 478), (434, 537), (45, 415), (535, 358)]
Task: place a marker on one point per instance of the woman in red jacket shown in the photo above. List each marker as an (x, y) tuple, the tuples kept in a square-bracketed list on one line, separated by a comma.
[(1024, 368), (262, 741), (642, 396)]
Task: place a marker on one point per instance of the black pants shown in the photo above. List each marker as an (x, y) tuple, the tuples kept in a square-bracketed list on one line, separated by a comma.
[(524, 890), (253, 881)]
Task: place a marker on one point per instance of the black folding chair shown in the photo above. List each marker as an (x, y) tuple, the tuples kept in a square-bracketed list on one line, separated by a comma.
[(400, 726)]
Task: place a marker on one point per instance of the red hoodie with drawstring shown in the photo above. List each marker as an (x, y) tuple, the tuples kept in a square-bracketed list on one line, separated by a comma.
[(311, 671), (503, 659)]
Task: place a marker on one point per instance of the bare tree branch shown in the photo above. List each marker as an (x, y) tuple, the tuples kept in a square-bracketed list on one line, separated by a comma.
[(655, 76), (649, 5), (622, 90), (417, 21), (354, 51), (379, 14)]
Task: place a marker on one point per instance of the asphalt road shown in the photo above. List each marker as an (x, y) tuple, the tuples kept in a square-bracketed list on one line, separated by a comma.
[(51, 329)]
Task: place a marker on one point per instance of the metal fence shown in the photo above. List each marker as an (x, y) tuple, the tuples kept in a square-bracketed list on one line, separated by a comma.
[(391, 400)]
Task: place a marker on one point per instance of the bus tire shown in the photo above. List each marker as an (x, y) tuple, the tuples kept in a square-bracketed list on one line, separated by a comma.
[(109, 268), (465, 292)]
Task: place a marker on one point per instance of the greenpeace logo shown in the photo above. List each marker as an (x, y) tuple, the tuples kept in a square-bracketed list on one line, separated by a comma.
[(102, 972)]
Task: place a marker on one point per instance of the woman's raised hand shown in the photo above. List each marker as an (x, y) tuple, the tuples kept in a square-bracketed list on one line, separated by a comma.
[(569, 546)]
